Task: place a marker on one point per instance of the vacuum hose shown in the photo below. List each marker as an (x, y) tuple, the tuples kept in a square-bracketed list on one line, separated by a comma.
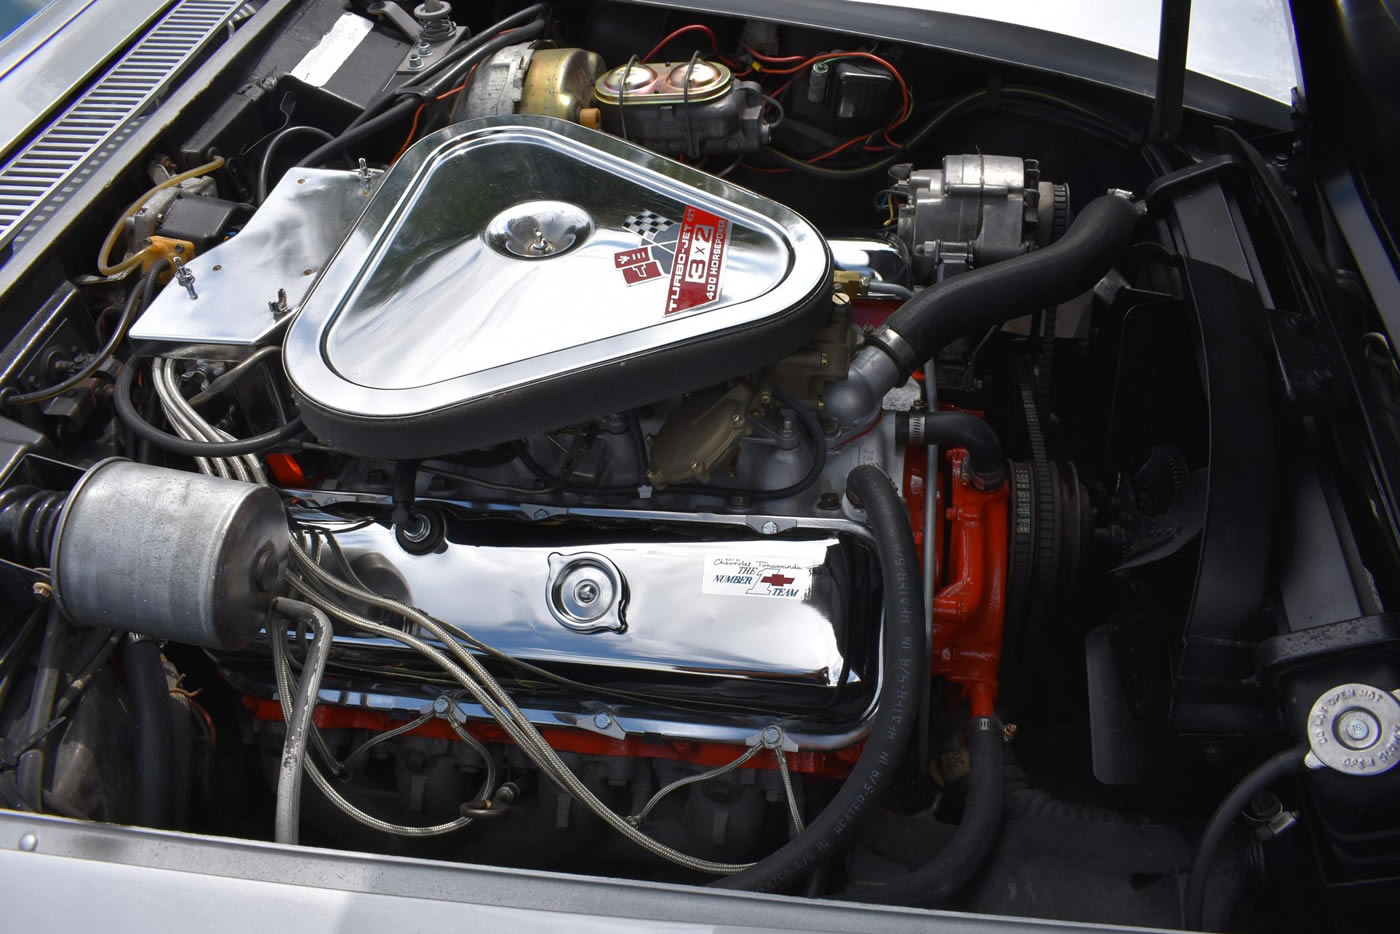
[(905, 671)]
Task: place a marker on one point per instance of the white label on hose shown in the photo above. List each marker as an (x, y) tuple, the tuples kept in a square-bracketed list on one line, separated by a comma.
[(320, 64), (755, 577)]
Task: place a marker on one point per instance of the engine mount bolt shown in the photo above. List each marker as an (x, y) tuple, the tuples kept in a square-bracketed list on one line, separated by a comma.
[(602, 721), (769, 528)]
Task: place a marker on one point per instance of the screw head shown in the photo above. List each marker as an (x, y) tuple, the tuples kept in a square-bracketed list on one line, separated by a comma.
[(42, 591), (771, 735), (769, 528), (441, 704), (29, 843), (602, 721)]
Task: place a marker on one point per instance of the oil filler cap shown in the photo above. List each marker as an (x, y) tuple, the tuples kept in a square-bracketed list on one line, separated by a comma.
[(1354, 729), (586, 592)]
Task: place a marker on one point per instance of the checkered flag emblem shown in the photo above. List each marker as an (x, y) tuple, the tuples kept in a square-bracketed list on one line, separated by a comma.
[(647, 224)]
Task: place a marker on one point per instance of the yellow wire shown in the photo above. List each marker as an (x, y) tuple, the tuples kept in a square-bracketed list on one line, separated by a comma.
[(107, 245)]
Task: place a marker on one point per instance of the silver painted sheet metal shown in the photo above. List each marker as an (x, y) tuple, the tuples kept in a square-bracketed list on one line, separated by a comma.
[(743, 608), (283, 246), (218, 884), (429, 303)]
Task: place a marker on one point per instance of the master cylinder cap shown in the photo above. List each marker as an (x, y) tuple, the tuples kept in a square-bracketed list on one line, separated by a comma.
[(517, 274)]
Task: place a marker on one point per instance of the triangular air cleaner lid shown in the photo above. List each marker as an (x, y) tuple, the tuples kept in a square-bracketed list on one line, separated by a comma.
[(515, 275)]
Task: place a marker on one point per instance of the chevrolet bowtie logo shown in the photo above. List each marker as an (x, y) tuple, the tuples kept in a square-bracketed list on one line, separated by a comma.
[(777, 580)]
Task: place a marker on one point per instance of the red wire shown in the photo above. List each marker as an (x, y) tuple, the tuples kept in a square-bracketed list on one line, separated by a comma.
[(772, 59), (413, 127), (714, 44), (903, 87), (831, 152)]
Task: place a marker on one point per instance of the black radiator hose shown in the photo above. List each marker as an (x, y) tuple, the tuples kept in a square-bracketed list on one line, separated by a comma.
[(956, 864), (1279, 765), (985, 463), (905, 674), (975, 301), (154, 728)]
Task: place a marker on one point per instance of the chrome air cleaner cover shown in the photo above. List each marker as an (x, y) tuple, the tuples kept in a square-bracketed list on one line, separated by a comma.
[(515, 275)]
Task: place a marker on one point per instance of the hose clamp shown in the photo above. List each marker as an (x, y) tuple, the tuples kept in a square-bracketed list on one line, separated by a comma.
[(986, 724)]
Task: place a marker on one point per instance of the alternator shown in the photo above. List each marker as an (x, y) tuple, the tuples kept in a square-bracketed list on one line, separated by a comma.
[(977, 210)]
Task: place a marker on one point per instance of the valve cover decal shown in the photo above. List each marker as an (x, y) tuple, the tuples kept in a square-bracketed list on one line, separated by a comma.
[(749, 577)]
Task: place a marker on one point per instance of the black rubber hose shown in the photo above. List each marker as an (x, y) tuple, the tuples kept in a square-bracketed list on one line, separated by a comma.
[(388, 118), (126, 411), (904, 678), (403, 108), (963, 430), (265, 163), (427, 76), (1277, 766), (153, 729), (985, 297), (943, 876), (30, 771)]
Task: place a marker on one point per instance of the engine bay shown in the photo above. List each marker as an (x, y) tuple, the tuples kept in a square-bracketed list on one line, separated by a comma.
[(613, 440)]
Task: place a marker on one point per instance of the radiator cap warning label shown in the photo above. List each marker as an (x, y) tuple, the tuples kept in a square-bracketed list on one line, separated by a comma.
[(750, 577)]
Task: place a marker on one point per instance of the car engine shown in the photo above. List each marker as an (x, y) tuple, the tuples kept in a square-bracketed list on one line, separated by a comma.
[(782, 460)]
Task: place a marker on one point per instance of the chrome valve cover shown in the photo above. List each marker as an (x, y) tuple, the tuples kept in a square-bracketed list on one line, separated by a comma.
[(514, 275), (721, 608)]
